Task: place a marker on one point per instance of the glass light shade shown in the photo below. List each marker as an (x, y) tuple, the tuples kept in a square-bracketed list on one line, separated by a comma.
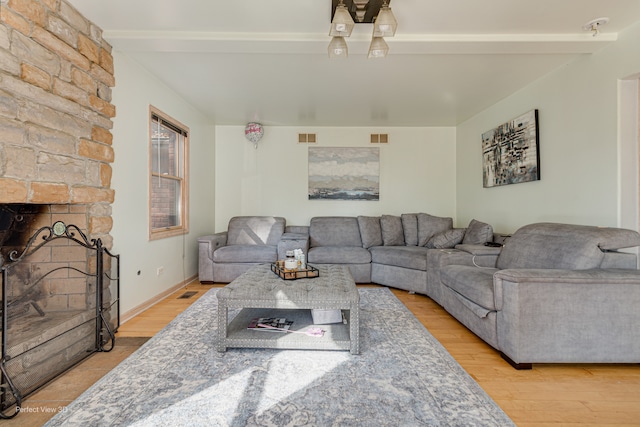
[(338, 48), (342, 24), (378, 48), (385, 24)]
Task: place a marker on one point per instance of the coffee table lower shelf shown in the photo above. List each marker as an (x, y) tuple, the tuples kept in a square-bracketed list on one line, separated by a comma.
[(336, 336)]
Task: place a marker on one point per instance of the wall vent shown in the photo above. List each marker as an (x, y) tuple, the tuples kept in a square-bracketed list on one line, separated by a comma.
[(307, 138), (379, 138)]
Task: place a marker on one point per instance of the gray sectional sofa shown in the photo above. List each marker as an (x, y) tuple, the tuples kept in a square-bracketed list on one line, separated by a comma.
[(388, 250), (337, 240), (554, 293), (248, 241)]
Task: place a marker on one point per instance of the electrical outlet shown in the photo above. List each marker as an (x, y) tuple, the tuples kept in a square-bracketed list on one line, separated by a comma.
[(160, 271)]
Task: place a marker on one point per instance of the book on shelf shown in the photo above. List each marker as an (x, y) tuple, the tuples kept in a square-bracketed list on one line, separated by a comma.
[(268, 323)]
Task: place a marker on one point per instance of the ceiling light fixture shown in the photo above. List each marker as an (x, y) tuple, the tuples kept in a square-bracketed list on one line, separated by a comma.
[(341, 27), (385, 24), (377, 12), (594, 25), (338, 48), (342, 24), (378, 48)]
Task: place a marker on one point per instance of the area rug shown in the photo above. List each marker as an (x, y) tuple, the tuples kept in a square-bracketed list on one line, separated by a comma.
[(403, 377)]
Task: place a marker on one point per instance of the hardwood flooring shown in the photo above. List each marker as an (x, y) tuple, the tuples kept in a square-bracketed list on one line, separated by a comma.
[(547, 395)]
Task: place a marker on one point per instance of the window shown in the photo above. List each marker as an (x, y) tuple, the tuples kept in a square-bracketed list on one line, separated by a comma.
[(168, 194)]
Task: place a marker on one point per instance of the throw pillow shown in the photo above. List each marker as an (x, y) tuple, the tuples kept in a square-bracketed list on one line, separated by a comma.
[(370, 231), (429, 225), (410, 227), (392, 234), (478, 233), (446, 239)]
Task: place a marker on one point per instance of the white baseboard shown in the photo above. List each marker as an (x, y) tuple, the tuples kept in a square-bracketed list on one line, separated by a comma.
[(156, 299)]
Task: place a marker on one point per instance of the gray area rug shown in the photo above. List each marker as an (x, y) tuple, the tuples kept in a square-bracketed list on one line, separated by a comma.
[(403, 377)]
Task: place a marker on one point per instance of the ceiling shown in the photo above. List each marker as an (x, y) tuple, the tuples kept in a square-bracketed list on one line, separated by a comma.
[(266, 60)]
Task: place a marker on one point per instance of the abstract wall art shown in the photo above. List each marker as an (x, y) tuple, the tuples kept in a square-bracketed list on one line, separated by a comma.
[(343, 173), (511, 153)]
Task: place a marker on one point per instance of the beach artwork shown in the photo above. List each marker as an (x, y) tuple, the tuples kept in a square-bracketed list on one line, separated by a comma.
[(344, 173)]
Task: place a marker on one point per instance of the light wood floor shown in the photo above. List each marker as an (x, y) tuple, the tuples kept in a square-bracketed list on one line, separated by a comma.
[(547, 395)]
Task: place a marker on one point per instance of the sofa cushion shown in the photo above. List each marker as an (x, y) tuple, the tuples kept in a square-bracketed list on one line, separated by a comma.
[(392, 233), (548, 245), (410, 229), (245, 253), (429, 225), (414, 257), (334, 231), (446, 239), (255, 230), (338, 255), (473, 283), (478, 233), (370, 231)]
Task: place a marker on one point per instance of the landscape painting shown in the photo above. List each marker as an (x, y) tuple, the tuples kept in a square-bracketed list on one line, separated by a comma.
[(510, 152), (343, 173)]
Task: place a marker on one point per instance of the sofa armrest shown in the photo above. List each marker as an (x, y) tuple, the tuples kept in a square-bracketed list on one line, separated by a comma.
[(550, 315), (482, 256), (512, 280), (539, 275), (212, 242), (436, 260), (291, 241), (297, 229), (480, 250)]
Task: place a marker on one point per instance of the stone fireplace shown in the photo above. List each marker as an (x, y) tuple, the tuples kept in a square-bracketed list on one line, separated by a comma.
[(56, 75)]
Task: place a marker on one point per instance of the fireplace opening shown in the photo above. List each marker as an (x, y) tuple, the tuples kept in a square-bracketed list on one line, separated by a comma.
[(60, 296)]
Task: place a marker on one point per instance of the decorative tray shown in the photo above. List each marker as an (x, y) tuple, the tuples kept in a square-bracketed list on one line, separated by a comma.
[(299, 273)]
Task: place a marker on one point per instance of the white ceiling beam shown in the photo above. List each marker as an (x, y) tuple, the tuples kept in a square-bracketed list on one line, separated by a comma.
[(297, 43)]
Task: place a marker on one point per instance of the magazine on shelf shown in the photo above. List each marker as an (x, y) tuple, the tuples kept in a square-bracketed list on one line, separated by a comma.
[(271, 322)]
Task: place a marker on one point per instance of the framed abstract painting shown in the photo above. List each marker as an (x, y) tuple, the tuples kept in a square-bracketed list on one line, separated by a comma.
[(511, 152)]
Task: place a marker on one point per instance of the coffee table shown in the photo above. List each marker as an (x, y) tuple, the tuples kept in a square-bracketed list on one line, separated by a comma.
[(261, 293)]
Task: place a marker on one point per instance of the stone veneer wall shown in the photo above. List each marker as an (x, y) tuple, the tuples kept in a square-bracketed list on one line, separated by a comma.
[(56, 75)]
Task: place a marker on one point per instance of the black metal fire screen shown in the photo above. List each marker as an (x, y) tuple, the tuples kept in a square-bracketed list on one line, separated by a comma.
[(60, 303)]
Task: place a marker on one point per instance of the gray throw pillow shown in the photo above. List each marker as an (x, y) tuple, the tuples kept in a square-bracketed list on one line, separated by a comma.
[(478, 233), (370, 231), (392, 234), (410, 227), (429, 225), (446, 239)]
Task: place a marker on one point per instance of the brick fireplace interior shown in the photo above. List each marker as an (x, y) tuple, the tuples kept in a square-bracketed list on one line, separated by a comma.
[(56, 79), (32, 292)]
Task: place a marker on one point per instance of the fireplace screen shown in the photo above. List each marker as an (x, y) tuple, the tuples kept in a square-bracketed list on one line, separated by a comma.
[(60, 303)]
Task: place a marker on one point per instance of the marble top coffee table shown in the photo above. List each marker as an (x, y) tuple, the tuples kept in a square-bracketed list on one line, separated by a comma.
[(261, 293)]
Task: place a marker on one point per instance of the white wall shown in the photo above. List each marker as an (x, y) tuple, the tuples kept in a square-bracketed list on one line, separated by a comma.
[(135, 90), (579, 146), (417, 173)]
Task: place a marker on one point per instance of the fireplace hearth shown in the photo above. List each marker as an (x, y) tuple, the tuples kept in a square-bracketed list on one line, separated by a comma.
[(60, 296)]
